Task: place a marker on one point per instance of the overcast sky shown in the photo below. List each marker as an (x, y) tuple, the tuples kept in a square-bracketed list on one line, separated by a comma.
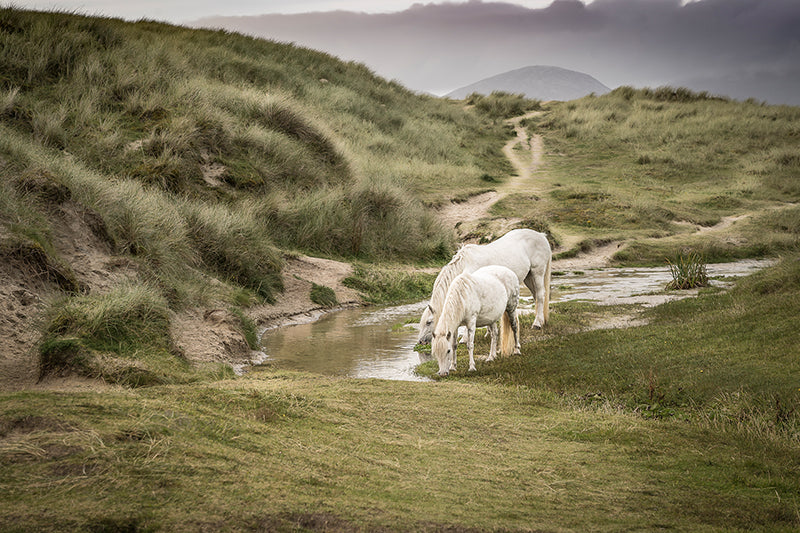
[(739, 48), (180, 11)]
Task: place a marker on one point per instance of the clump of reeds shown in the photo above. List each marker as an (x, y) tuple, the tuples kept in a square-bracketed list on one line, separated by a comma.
[(688, 271)]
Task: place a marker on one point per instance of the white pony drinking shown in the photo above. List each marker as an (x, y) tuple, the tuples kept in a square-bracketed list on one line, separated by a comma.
[(524, 251), (481, 298)]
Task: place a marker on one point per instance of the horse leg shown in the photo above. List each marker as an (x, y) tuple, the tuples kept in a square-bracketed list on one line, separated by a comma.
[(512, 318), (453, 358), (493, 331), (535, 284), (471, 344)]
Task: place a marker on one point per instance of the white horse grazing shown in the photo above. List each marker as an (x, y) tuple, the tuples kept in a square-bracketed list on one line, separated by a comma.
[(526, 252), (481, 298)]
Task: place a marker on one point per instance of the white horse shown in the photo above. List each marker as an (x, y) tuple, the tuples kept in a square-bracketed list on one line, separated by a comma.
[(481, 298), (526, 252)]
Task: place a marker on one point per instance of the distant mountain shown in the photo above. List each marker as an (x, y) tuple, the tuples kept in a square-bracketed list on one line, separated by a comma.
[(538, 82)]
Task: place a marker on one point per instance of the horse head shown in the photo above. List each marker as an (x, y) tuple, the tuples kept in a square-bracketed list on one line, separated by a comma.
[(443, 349), (426, 326)]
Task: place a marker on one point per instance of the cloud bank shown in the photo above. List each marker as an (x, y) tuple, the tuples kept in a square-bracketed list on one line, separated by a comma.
[(740, 48)]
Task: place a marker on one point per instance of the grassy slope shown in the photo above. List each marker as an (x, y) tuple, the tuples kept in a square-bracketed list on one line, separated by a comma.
[(201, 157), (324, 148), (653, 166), (690, 423)]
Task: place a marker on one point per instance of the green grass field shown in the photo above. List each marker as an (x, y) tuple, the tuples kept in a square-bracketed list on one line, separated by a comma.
[(688, 424), (198, 161)]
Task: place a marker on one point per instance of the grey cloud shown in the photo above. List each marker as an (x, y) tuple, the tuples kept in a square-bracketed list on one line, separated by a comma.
[(743, 48)]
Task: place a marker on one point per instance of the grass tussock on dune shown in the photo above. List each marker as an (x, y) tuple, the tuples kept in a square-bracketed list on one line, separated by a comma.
[(203, 156)]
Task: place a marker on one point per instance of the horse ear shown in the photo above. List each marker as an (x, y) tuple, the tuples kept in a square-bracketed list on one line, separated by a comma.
[(431, 309), (448, 335)]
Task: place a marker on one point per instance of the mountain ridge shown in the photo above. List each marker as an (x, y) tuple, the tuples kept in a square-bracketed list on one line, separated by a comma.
[(541, 82)]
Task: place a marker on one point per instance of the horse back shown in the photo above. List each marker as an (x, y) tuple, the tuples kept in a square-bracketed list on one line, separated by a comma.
[(498, 288), (520, 250)]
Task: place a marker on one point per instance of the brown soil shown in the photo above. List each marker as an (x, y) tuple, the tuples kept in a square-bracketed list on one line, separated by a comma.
[(27, 286)]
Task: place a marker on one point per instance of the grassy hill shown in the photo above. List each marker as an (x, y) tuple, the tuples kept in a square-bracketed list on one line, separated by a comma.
[(219, 119), (665, 169), (190, 162)]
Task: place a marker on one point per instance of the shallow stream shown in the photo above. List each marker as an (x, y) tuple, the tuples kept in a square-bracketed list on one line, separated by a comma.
[(372, 343)]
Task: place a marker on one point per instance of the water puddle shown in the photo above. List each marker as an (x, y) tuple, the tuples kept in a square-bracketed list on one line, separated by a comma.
[(369, 343), (612, 286), (359, 343)]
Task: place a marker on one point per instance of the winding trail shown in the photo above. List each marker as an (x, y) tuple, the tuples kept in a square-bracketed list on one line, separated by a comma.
[(525, 154)]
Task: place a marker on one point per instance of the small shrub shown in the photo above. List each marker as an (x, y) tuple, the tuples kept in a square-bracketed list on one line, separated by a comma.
[(324, 296), (688, 271)]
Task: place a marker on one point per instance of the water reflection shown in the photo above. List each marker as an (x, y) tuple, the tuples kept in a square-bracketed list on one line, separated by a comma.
[(365, 342), (360, 343)]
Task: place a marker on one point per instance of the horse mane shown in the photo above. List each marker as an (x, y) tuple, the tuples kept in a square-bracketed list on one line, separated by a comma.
[(446, 277), (453, 306)]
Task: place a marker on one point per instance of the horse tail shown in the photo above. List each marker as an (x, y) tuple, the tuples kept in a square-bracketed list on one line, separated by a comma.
[(507, 339), (547, 290)]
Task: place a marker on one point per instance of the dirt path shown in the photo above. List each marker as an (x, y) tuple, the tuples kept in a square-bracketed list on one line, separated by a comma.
[(525, 154)]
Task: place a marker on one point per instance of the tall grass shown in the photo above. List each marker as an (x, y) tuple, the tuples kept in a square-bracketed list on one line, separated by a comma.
[(502, 105), (373, 220), (161, 105), (121, 337), (233, 244), (130, 315)]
